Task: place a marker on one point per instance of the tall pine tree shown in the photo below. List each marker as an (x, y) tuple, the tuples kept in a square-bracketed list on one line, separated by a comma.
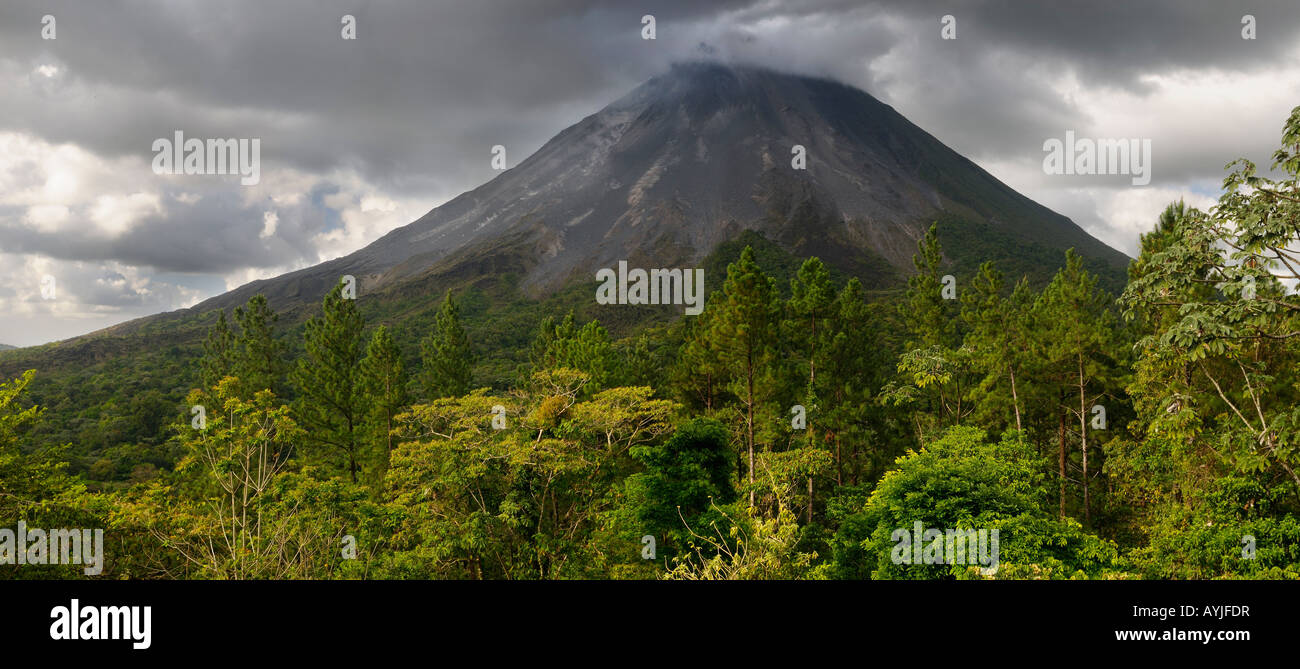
[(698, 377), (934, 369), (812, 309), (383, 380), (999, 342), (586, 349), (1075, 333), (331, 404), (446, 355), (858, 361), (744, 334), (218, 359), (260, 363)]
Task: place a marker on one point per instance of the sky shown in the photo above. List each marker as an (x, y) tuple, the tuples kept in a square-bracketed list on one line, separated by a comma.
[(360, 136)]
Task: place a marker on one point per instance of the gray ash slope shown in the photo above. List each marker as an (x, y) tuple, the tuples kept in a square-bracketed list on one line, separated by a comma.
[(688, 160)]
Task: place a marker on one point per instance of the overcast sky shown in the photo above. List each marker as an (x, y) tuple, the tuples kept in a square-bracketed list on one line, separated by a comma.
[(361, 136)]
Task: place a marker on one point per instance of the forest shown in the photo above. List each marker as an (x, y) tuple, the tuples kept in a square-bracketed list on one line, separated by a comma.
[(786, 432)]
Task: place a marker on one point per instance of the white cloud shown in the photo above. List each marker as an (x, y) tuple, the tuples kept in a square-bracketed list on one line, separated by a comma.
[(237, 278), (60, 186), (115, 214), (85, 296), (366, 214), (269, 221)]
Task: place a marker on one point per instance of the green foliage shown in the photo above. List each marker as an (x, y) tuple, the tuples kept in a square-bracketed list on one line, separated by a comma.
[(963, 482), (1213, 384), (1075, 337), (446, 353), (331, 403), (745, 547), (931, 320), (250, 353), (514, 502), (1000, 339), (934, 372), (383, 383), (685, 476), (860, 359), (218, 359), (28, 483), (699, 378), (743, 334), (259, 357), (241, 449), (1238, 529)]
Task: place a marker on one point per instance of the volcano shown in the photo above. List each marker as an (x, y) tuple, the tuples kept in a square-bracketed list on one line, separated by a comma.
[(691, 159)]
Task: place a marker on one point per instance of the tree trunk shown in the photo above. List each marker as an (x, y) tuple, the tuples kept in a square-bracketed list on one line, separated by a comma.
[(1015, 399), (1083, 440), (812, 379), (352, 450), (812, 353), (810, 499), (388, 445), (749, 400), (811, 441), (1062, 472), (839, 462)]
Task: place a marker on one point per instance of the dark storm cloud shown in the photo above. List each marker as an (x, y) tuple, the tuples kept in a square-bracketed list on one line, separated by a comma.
[(424, 85), (1116, 42), (989, 92)]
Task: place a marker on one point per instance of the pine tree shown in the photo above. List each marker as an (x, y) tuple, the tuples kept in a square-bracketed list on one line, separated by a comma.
[(586, 349), (934, 369), (640, 364), (331, 403), (259, 362), (1075, 333), (998, 339), (1160, 239), (744, 334), (446, 355), (383, 380), (540, 347), (699, 378), (931, 320), (857, 362), (218, 359), (812, 306)]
